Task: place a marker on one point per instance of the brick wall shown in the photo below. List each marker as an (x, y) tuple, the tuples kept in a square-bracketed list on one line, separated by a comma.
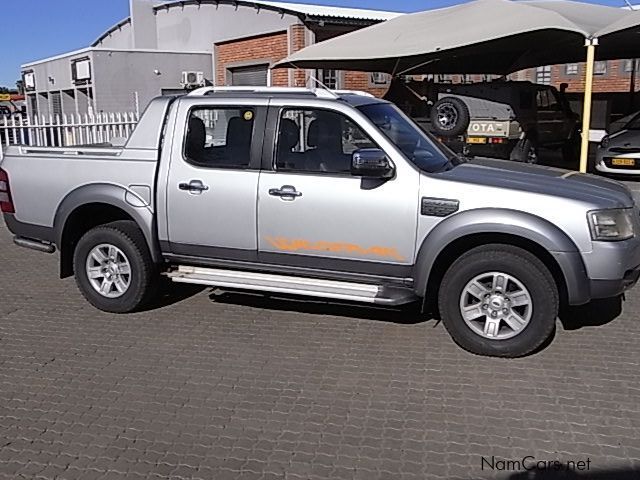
[(274, 47), (298, 40), (265, 48), (268, 48), (360, 81), (615, 80)]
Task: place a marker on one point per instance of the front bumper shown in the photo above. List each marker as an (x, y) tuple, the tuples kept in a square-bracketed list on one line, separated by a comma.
[(613, 288), (496, 150), (604, 162), (612, 267)]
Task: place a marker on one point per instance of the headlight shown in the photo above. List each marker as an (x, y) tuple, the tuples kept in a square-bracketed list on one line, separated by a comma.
[(604, 143), (611, 225)]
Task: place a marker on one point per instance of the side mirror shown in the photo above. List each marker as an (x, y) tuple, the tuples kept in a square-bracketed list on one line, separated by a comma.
[(371, 163)]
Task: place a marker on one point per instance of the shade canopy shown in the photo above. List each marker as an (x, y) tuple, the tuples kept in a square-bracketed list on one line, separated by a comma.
[(482, 36)]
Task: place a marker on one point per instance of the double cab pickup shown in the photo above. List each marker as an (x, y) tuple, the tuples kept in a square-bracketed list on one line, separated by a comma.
[(325, 194)]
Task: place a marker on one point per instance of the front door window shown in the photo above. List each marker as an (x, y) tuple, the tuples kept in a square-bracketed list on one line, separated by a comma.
[(317, 141)]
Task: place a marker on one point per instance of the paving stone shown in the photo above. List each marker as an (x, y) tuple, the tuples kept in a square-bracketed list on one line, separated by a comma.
[(245, 386)]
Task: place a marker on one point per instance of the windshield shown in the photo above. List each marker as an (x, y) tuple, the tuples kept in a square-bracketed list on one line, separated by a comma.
[(426, 153), (634, 124)]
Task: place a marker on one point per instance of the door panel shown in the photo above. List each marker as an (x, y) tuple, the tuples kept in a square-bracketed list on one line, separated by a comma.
[(336, 218), (222, 216), (211, 185), (313, 213), (551, 118)]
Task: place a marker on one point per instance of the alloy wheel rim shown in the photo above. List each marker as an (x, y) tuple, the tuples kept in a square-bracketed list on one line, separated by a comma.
[(447, 116), (108, 270), (496, 306)]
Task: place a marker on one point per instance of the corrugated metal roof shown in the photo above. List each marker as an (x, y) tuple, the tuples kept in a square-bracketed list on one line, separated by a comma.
[(331, 11), (324, 11)]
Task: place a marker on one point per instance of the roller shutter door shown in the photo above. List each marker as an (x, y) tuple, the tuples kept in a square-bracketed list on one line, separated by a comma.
[(253, 76)]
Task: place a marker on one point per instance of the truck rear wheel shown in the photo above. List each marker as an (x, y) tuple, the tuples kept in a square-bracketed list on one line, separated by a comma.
[(113, 268), (499, 300)]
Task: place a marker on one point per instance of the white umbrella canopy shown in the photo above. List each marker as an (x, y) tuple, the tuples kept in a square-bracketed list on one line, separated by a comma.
[(482, 36)]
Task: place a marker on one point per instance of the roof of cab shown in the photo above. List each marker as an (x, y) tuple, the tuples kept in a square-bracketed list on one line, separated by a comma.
[(352, 97)]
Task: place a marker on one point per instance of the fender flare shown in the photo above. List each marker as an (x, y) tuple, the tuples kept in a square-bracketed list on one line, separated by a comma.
[(110, 194), (497, 221)]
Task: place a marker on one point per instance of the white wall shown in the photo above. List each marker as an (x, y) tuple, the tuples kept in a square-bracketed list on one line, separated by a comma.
[(122, 38), (198, 27), (119, 74)]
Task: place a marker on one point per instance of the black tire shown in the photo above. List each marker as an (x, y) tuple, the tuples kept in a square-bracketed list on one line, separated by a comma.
[(450, 117), (525, 151), (143, 279), (513, 261)]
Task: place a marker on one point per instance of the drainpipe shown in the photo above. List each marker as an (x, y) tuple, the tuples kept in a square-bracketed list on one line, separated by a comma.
[(591, 44)]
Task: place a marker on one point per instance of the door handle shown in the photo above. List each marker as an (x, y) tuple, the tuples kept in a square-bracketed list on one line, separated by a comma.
[(194, 186), (286, 192)]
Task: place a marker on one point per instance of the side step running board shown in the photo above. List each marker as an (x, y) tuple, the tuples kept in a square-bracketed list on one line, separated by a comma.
[(313, 287)]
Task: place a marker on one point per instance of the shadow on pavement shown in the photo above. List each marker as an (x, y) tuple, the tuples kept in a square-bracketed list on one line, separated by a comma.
[(407, 315), (594, 314), (612, 474), (171, 293)]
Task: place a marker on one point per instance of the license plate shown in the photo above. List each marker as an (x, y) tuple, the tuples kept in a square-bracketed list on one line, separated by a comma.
[(624, 162), (477, 140)]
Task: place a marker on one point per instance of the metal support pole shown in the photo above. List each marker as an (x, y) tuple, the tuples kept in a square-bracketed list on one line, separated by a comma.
[(591, 44), (632, 86)]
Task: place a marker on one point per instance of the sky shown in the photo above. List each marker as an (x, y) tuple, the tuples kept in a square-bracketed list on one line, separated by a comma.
[(36, 29)]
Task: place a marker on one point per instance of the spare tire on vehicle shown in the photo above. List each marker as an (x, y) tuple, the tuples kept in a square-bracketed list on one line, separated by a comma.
[(450, 117)]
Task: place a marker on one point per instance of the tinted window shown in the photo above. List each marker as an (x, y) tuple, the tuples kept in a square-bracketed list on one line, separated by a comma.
[(546, 100), (634, 124), (416, 145), (317, 141), (219, 137)]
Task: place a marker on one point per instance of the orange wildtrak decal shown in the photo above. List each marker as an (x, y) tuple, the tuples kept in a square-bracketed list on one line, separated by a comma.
[(288, 245)]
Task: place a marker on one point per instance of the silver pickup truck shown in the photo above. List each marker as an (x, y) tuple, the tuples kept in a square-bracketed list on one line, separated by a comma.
[(325, 194)]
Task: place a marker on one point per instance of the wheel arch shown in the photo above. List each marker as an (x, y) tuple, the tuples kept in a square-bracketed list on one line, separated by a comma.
[(97, 204), (473, 228)]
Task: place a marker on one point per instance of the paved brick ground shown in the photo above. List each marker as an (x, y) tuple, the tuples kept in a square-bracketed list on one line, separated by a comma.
[(235, 386)]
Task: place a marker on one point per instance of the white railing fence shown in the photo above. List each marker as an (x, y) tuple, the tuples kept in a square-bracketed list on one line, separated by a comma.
[(65, 130)]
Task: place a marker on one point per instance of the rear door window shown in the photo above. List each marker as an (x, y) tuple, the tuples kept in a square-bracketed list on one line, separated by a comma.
[(219, 137)]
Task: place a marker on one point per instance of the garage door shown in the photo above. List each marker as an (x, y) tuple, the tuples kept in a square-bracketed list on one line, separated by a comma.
[(253, 76)]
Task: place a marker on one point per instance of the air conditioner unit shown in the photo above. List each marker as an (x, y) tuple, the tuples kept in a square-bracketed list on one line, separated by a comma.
[(192, 79)]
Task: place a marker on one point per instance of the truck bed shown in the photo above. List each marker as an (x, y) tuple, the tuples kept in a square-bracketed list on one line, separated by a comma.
[(38, 195)]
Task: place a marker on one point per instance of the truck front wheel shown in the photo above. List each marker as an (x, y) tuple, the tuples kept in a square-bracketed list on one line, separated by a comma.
[(499, 300), (113, 268)]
